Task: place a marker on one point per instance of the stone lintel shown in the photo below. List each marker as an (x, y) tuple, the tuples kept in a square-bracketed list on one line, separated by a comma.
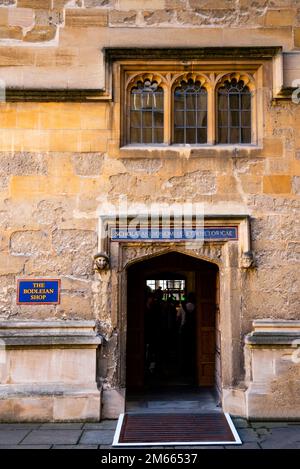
[(49, 333), (197, 53), (57, 95), (272, 332)]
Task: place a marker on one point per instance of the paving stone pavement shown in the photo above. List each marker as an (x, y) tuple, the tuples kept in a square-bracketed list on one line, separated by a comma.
[(254, 435)]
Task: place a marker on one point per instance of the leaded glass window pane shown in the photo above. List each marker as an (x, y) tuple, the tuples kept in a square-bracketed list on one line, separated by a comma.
[(146, 113), (234, 112), (190, 113)]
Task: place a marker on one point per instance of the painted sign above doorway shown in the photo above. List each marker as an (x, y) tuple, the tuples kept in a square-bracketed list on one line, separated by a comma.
[(213, 233)]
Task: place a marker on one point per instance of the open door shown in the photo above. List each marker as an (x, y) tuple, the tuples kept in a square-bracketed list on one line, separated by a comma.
[(218, 369), (135, 332), (206, 326)]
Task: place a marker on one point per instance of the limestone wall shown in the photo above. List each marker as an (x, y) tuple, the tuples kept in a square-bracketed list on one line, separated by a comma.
[(56, 163), (57, 43)]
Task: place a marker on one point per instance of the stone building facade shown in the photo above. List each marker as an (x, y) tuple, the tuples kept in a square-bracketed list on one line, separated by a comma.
[(67, 68)]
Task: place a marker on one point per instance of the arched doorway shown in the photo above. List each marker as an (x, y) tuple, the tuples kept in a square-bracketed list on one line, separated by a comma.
[(162, 349)]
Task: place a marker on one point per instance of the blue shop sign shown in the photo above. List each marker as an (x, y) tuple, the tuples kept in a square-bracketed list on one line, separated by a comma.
[(216, 233), (38, 291)]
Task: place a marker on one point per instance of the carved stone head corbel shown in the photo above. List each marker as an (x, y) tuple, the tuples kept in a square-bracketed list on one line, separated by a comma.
[(247, 260), (101, 261)]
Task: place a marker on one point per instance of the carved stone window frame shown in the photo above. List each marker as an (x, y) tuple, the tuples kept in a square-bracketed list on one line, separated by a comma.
[(211, 74)]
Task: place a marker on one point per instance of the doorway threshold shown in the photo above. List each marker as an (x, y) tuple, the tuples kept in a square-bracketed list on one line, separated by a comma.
[(170, 399)]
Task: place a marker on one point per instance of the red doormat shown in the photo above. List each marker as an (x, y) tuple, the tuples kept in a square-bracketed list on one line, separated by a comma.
[(135, 429)]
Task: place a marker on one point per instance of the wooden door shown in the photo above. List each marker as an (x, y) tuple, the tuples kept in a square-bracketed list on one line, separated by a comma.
[(135, 331), (205, 327), (218, 369)]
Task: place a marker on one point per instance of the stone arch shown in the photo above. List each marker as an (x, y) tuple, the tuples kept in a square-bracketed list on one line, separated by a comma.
[(224, 255), (208, 253)]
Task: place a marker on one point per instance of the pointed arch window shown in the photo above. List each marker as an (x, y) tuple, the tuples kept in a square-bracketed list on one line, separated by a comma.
[(146, 113), (190, 113), (234, 112)]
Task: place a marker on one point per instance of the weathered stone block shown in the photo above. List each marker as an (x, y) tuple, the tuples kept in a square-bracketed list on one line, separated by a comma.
[(8, 118), (26, 409), (23, 17), (175, 4), (4, 182), (158, 17), (64, 141), (27, 118), (41, 34), (49, 17), (226, 184), (22, 163), (49, 265), (3, 17), (142, 166), (75, 307), (25, 365), (35, 3), (64, 3), (87, 164), (29, 243), (34, 186), (84, 408), (251, 184), (208, 17), (296, 184), (82, 266), (7, 2), (113, 401), (86, 18), (233, 401), (11, 32), (193, 184), (93, 116), (273, 147), (93, 140), (283, 17), (74, 241), (141, 5), (263, 365), (59, 119), (11, 264), (122, 18), (99, 3), (277, 184), (208, 4), (75, 285)]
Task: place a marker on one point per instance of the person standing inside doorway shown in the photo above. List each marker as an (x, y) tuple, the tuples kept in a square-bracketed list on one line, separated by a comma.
[(187, 324)]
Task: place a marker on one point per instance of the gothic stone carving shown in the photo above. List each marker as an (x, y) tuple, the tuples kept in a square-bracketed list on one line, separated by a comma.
[(130, 252)]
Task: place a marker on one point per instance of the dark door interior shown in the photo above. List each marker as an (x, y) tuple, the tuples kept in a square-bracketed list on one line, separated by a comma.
[(175, 355)]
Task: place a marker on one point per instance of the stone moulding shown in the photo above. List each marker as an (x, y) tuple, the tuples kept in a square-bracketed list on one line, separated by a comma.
[(112, 55), (272, 339), (48, 371), (273, 333), (191, 53), (39, 333)]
